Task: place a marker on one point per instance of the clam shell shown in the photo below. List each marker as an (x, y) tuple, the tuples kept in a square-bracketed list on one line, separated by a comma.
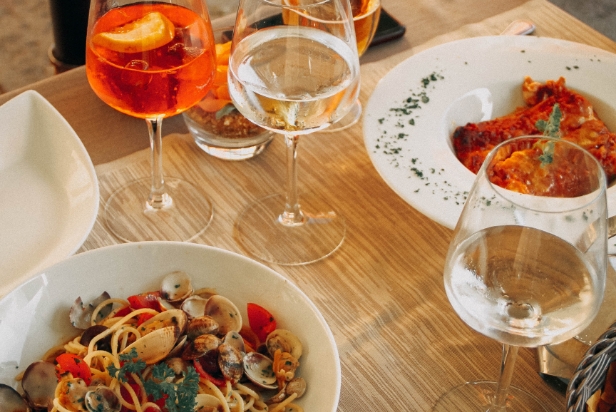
[(194, 306), (284, 340), (230, 362), (200, 346), (225, 313), (73, 392), (173, 317), (156, 345), (235, 339), (12, 400), (80, 315), (102, 399), (258, 368), (203, 325), (176, 286), (39, 384)]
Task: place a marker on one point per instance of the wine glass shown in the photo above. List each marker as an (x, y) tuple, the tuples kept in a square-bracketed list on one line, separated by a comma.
[(152, 59), (520, 268), (293, 79), (366, 14)]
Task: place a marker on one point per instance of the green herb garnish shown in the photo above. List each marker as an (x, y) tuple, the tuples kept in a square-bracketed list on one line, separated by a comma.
[(227, 108), (550, 128), (181, 392), (130, 364)]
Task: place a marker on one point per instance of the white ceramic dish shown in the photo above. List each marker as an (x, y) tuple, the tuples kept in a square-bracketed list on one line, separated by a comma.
[(35, 314), (49, 189), (468, 81)]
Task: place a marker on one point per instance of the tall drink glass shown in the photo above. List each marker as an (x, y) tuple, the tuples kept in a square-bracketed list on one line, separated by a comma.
[(518, 269), (151, 60), (293, 79)]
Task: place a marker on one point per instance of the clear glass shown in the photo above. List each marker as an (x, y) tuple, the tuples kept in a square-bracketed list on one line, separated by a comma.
[(520, 268), (218, 128), (293, 69), (366, 15), (151, 60)]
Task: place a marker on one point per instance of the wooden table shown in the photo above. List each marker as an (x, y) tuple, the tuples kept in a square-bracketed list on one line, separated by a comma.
[(401, 344)]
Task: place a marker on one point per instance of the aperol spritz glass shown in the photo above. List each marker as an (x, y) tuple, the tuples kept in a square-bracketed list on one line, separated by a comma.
[(151, 60)]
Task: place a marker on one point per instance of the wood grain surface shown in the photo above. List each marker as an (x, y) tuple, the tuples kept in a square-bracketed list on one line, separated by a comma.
[(401, 345)]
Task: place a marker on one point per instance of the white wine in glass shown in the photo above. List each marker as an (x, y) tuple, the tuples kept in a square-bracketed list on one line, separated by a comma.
[(517, 269), (294, 80)]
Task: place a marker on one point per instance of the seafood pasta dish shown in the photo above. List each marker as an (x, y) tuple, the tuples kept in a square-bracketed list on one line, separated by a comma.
[(171, 350), (578, 123)]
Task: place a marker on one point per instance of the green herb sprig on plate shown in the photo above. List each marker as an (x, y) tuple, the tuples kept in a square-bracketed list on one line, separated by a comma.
[(550, 128)]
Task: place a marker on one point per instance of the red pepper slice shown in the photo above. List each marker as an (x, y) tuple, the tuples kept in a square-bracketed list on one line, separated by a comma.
[(123, 312), (73, 364), (261, 321), (126, 395), (148, 300), (216, 381)]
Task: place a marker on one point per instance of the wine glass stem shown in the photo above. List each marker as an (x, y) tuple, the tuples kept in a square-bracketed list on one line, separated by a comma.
[(158, 197), (292, 215), (510, 354)]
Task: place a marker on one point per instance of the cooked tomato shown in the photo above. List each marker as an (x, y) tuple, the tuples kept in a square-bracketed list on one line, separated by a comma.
[(201, 371), (123, 312), (147, 300), (73, 364), (261, 321)]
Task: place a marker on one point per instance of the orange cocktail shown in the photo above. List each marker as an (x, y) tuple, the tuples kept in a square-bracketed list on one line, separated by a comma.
[(161, 74)]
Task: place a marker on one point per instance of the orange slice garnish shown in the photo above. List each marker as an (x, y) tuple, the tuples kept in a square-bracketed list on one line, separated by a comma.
[(147, 33)]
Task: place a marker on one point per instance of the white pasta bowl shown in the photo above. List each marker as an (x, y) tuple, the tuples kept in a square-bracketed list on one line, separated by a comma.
[(34, 316)]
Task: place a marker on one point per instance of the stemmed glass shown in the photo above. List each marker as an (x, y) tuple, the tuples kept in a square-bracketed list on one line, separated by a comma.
[(294, 70), (527, 262), (151, 60), (366, 15)]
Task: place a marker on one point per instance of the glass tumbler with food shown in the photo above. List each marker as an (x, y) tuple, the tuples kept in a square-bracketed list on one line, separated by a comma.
[(216, 125), (520, 268), (151, 60)]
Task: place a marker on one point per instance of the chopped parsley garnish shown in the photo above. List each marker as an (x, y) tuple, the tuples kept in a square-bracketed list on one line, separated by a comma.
[(130, 364), (180, 393)]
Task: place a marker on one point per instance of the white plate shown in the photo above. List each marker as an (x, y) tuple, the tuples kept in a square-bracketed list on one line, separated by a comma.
[(35, 314), (49, 191), (473, 79)]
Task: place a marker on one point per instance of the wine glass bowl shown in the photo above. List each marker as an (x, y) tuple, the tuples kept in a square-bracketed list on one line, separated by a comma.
[(294, 70), (515, 270), (366, 15), (151, 60)]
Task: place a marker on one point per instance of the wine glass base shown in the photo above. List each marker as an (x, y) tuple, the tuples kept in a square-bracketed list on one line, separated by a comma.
[(261, 235), (186, 215), (347, 120), (479, 395)]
